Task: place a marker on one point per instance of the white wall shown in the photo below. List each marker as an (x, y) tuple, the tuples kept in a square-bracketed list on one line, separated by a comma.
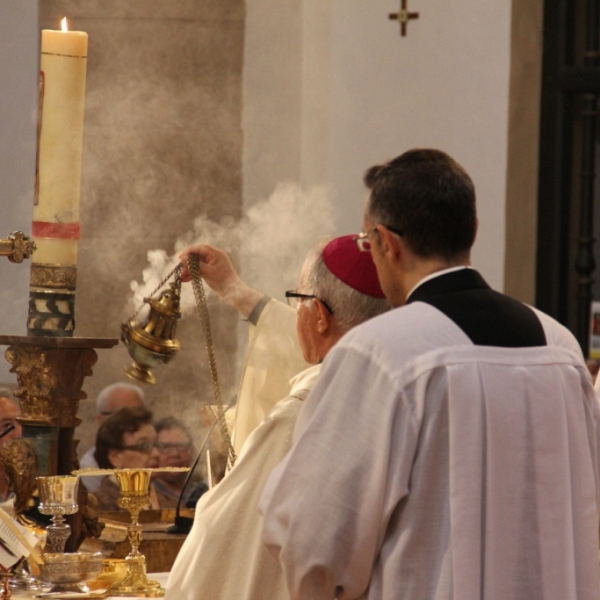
[(19, 73), (367, 94)]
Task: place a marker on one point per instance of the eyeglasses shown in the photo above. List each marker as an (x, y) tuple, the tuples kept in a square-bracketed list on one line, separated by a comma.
[(145, 447), (362, 239), (293, 298), (164, 448), (363, 242)]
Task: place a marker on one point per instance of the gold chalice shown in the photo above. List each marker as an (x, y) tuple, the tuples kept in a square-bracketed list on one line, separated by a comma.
[(58, 497), (135, 497)]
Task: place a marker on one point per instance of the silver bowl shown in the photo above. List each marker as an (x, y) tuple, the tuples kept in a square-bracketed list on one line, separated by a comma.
[(68, 572)]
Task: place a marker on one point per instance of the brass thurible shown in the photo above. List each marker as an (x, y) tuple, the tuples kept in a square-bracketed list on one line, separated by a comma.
[(152, 341)]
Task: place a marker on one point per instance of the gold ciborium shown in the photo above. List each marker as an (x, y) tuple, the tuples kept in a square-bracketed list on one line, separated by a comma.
[(58, 497), (152, 342)]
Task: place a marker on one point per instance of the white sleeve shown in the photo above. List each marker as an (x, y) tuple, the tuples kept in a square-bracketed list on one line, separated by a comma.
[(326, 507), (273, 358)]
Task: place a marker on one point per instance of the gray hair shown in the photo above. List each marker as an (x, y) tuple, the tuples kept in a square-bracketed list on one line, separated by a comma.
[(172, 423), (350, 307), (105, 393)]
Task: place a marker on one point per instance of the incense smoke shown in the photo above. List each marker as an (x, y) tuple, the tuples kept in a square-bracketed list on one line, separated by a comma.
[(270, 240)]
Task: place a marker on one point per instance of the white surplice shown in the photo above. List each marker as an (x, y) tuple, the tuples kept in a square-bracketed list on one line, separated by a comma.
[(427, 468), (223, 557)]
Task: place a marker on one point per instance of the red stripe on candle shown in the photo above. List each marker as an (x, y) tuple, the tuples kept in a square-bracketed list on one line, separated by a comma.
[(56, 231)]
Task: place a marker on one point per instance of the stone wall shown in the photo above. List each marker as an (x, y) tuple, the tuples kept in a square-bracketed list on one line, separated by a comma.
[(162, 145)]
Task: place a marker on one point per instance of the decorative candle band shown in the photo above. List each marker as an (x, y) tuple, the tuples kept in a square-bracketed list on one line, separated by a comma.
[(56, 231), (51, 314), (53, 276)]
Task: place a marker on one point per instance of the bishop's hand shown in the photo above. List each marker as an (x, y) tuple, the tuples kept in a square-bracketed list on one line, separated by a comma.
[(220, 275)]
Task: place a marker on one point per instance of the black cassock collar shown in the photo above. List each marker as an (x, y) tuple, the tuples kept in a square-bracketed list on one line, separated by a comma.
[(487, 317)]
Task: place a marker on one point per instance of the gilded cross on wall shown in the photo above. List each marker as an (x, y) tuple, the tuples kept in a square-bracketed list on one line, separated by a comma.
[(403, 16)]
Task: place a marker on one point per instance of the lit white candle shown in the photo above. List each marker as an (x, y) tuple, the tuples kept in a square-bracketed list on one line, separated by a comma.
[(56, 213)]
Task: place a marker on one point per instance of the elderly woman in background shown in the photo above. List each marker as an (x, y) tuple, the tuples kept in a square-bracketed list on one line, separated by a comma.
[(175, 449), (126, 440)]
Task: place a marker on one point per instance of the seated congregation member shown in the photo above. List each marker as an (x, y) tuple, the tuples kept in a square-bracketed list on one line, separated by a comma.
[(126, 440), (175, 449), (223, 557), (110, 399)]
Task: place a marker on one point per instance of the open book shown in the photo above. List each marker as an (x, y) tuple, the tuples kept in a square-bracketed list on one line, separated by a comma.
[(16, 541)]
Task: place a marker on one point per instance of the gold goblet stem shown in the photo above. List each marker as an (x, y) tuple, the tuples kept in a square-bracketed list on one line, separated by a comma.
[(136, 583)]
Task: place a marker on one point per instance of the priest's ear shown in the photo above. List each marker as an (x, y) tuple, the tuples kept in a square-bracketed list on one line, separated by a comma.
[(323, 316), (390, 242)]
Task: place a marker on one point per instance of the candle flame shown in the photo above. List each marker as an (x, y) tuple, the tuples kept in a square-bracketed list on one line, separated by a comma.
[(63, 24)]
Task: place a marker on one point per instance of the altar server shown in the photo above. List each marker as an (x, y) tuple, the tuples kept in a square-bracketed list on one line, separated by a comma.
[(450, 447)]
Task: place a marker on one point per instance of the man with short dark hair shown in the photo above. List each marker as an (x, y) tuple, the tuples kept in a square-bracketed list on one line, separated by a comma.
[(450, 447)]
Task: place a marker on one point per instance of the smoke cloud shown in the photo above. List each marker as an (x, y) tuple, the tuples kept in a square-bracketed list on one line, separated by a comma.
[(268, 244)]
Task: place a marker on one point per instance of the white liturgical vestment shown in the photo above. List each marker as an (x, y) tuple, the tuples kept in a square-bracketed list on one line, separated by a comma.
[(223, 557), (426, 467)]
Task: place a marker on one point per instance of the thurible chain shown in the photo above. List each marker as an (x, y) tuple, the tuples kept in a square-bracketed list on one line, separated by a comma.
[(194, 269)]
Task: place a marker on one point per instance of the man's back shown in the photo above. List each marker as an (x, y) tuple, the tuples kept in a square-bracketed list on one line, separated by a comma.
[(477, 477)]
